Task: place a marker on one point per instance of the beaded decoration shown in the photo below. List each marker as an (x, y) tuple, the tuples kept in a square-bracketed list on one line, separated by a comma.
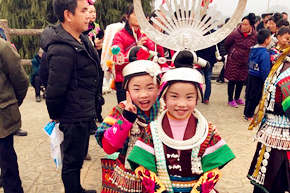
[(261, 165), (159, 151), (126, 181), (275, 130)]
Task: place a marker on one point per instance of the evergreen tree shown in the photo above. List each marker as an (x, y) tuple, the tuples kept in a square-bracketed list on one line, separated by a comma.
[(111, 11), (37, 14), (24, 14)]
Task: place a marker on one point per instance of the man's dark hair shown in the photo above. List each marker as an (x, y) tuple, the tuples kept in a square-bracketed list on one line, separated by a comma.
[(263, 34), (283, 30), (282, 22), (59, 6)]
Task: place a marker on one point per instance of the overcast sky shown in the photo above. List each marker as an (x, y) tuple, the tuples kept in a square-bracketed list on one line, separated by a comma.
[(227, 7), (257, 6)]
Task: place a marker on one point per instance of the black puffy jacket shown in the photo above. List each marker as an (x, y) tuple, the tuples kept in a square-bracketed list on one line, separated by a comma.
[(74, 77)]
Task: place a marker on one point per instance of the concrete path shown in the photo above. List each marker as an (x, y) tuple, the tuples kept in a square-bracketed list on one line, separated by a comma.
[(39, 174)]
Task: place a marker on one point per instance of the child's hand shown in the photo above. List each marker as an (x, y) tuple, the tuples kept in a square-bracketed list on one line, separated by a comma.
[(129, 105)]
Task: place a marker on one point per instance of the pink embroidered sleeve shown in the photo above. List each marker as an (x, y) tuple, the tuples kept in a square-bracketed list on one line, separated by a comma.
[(114, 130), (117, 134)]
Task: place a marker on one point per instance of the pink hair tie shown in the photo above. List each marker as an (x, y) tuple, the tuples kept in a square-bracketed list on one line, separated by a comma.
[(91, 2)]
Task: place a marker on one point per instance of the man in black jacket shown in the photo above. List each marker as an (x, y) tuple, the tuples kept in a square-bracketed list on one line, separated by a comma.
[(72, 87)]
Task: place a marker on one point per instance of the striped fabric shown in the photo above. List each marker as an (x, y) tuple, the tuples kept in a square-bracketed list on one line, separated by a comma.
[(153, 113)]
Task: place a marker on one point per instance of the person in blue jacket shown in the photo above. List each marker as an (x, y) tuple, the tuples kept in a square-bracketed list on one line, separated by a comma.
[(259, 68)]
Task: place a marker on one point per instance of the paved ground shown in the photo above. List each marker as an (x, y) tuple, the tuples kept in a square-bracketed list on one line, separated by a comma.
[(39, 175)]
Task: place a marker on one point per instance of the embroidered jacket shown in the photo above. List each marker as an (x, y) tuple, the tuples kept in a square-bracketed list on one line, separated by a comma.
[(173, 168), (275, 127), (118, 133)]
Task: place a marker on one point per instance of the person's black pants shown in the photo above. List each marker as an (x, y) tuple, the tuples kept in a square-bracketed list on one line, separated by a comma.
[(254, 91), (236, 86), (9, 166), (121, 93), (36, 85), (221, 75), (74, 148), (99, 104)]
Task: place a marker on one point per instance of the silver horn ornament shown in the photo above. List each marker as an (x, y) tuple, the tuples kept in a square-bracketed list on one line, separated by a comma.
[(189, 28)]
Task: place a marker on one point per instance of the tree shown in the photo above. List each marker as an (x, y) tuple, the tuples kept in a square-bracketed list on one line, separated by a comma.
[(111, 11), (24, 14), (37, 14)]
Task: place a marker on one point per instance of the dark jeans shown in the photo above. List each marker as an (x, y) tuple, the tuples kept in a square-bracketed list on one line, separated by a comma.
[(254, 91), (207, 76), (74, 149), (236, 86), (121, 93), (9, 166), (36, 85)]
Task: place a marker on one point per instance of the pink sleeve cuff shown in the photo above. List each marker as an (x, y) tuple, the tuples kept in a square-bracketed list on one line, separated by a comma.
[(118, 133)]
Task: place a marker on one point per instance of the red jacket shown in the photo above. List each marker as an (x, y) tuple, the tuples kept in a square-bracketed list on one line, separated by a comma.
[(125, 40)]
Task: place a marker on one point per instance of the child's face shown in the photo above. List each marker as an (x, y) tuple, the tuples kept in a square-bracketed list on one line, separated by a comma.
[(283, 40), (271, 25), (181, 99), (143, 91)]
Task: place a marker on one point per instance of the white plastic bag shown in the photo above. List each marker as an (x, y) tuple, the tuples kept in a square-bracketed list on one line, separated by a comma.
[(56, 138)]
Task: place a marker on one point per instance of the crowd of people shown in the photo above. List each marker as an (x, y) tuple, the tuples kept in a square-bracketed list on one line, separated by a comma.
[(155, 137)]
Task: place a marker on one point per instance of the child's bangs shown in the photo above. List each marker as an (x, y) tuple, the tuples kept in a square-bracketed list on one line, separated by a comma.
[(128, 78), (170, 83)]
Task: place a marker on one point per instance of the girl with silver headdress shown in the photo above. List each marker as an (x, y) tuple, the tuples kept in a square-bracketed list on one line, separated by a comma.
[(126, 123), (184, 152)]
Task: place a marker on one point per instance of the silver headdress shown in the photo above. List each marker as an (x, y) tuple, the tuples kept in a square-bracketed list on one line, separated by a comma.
[(139, 67), (186, 24)]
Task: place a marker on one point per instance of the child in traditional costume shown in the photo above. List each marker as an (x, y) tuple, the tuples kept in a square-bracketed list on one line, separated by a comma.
[(269, 171), (281, 44), (126, 123), (185, 152)]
